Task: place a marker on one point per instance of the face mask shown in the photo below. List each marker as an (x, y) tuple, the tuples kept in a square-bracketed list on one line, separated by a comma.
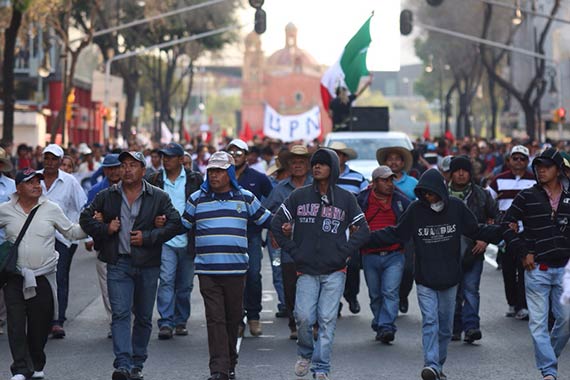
[(437, 206)]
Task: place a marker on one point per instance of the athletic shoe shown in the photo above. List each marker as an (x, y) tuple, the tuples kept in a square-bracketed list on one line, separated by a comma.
[(302, 366), (136, 374), (38, 375), (18, 377), (181, 330), (472, 335), (165, 333), (429, 373), (522, 315)]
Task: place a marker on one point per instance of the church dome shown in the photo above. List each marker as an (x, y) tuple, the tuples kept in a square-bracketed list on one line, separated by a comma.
[(292, 56)]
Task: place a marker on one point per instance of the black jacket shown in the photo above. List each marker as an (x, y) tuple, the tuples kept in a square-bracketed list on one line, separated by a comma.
[(436, 235), (154, 202), (320, 243)]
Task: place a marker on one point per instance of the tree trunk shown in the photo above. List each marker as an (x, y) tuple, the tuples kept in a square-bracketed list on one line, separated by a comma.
[(448, 105), (186, 101), (530, 122), (131, 88), (10, 36), (494, 106)]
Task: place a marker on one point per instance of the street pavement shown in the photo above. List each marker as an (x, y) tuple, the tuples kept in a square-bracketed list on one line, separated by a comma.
[(505, 352)]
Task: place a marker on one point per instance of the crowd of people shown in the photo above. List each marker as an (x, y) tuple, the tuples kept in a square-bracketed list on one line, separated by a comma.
[(157, 217)]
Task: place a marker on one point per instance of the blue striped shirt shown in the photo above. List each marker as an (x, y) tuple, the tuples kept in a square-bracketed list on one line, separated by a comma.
[(220, 227), (351, 180)]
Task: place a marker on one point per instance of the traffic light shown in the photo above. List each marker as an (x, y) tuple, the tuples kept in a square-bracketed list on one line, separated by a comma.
[(561, 114), (406, 22), (434, 3), (69, 105), (260, 16)]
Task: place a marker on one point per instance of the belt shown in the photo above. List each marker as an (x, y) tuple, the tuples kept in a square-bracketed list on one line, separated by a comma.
[(382, 253), (125, 255)]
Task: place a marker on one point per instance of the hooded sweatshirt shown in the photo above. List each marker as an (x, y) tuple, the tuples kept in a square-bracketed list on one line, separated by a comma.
[(436, 234), (321, 242)]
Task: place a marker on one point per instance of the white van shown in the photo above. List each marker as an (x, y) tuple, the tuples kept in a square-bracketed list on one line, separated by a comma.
[(366, 144)]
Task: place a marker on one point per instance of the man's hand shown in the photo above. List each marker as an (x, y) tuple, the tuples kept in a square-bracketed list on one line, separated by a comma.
[(89, 245), (98, 216), (159, 221), (352, 229), (528, 262), (136, 238), (480, 247), (287, 229), (114, 226)]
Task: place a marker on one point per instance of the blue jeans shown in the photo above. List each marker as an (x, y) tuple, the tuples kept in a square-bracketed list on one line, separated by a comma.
[(131, 290), (437, 308), (175, 286), (383, 275), (542, 288), (62, 278), (317, 301), (275, 257), (468, 299), (252, 296)]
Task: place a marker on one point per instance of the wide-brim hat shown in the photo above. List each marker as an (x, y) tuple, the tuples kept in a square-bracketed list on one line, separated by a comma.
[(341, 147), (277, 166), (295, 150), (382, 153), (5, 161)]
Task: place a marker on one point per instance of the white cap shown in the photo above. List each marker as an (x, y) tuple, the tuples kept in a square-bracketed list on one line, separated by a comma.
[(520, 149), (84, 149), (53, 149), (240, 144)]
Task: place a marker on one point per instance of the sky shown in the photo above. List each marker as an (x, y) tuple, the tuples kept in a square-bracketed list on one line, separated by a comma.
[(325, 26)]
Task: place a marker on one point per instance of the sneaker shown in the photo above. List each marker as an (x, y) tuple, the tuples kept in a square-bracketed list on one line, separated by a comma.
[(57, 332), (404, 305), (302, 366), (38, 375), (121, 374), (18, 377), (429, 373), (472, 335), (254, 327), (165, 333), (321, 376), (455, 337), (354, 306), (522, 315), (181, 330), (511, 312), (136, 374), (385, 336), (282, 313), (232, 374)]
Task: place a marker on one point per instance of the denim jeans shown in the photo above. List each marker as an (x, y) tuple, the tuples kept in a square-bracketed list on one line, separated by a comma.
[(542, 288), (175, 286), (131, 290), (383, 275), (275, 257), (317, 301), (467, 300), (252, 296), (62, 278), (437, 308)]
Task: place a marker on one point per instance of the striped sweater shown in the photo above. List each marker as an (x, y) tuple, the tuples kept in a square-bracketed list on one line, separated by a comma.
[(220, 226)]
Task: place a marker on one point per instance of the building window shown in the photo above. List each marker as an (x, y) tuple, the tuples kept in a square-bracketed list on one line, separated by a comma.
[(298, 97)]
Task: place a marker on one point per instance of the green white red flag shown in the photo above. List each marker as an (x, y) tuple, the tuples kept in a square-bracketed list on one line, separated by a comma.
[(349, 68)]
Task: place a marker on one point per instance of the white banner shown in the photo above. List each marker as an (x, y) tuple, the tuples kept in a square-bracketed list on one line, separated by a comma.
[(306, 126)]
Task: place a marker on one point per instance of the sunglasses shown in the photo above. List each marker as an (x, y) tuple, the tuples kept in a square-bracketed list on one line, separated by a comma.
[(519, 158), (236, 153)]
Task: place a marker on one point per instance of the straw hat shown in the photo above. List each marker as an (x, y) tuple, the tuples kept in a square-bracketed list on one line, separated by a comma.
[(5, 161), (275, 168), (406, 155), (341, 147)]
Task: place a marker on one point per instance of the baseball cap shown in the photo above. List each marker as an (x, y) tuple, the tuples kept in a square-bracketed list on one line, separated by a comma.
[(383, 172), (53, 149), (220, 160), (27, 174), (111, 160), (446, 164), (520, 149), (138, 156), (173, 149), (549, 157), (240, 144)]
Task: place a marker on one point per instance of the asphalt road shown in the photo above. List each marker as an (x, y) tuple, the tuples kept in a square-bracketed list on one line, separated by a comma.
[(505, 352)]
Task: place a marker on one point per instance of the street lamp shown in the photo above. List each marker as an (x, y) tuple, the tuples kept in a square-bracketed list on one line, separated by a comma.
[(551, 72), (518, 16)]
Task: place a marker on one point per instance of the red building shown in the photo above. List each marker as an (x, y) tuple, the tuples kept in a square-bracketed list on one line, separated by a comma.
[(288, 80)]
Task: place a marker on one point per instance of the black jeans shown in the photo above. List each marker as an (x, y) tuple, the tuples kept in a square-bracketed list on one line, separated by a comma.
[(289, 273), (407, 282), (28, 324), (63, 268), (223, 301), (513, 278)]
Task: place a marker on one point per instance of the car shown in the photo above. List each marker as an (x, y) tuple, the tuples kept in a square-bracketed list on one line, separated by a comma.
[(366, 144)]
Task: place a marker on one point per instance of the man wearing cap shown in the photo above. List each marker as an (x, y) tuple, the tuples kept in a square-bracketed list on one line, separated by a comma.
[(220, 214), (121, 222), (7, 188), (260, 186), (484, 207), (297, 160), (400, 160), (63, 189), (31, 295), (383, 266), (111, 167), (176, 266), (504, 188), (354, 182), (322, 214), (544, 210)]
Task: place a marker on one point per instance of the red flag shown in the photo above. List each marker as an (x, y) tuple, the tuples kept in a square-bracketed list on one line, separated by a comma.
[(449, 135), (426, 134), (246, 134), (187, 136)]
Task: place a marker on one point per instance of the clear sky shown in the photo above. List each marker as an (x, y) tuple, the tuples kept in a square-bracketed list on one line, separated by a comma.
[(325, 26)]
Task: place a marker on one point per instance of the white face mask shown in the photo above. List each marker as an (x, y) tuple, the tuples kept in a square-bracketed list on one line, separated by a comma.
[(437, 206)]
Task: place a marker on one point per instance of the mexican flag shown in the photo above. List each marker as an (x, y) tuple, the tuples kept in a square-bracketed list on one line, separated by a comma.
[(349, 68)]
